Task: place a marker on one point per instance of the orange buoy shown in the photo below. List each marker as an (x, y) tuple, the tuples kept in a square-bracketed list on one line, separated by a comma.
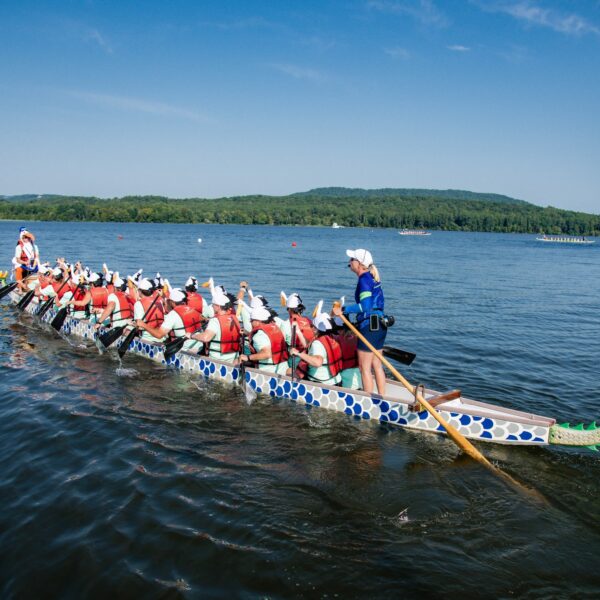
[(119, 237), (293, 244)]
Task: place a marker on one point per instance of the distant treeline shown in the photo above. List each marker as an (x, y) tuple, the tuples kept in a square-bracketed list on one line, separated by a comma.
[(401, 210)]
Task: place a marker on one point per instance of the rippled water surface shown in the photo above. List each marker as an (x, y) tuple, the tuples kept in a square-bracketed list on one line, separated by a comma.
[(136, 481)]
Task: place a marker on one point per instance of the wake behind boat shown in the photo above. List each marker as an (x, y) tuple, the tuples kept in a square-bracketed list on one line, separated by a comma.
[(475, 420)]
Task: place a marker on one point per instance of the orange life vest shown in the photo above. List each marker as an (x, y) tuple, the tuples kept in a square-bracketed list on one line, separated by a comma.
[(348, 345), (279, 351), (230, 335), (153, 316), (333, 361), (125, 307), (99, 297), (79, 294), (195, 301), (191, 319), (305, 326)]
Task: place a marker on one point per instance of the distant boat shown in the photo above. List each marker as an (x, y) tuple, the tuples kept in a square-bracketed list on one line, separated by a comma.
[(336, 226), (565, 240), (414, 232)]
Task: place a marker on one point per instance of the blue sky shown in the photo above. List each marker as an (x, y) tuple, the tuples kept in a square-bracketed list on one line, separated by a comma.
[(222, 98)]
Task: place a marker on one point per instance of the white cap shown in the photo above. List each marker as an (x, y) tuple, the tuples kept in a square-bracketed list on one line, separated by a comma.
[(322, 322), (145, 285), (116, 280), (93, 277), (293, 300), (259, 313), (361, 255), (258, 302), (176, 295), (191, 281), (45, 269), (219, 298), (56, 272)]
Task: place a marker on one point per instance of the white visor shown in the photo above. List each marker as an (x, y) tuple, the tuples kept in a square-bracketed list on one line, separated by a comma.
[(219, 298), (361, 255), (191, 281), (145, 285), (259, 313), (176, 295), (322, 322), (293, 301), (258, 302)]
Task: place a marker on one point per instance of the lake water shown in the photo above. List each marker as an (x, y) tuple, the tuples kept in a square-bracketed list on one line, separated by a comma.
[(149, 483)]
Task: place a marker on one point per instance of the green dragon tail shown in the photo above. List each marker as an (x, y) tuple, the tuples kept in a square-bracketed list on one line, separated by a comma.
[(565, 435)]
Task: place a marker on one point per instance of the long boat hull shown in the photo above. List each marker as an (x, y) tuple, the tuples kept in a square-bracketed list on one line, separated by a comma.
[(475, 420)]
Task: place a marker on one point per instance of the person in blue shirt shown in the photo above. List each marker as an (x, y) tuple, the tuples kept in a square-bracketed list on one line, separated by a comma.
[(368, 308)]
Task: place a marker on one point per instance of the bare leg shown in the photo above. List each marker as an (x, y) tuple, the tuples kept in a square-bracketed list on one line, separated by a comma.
[(379, 375), (365, 361)]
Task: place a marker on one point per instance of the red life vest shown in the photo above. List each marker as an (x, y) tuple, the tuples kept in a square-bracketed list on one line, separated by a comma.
[(125, 307), (305, 326), (191, 319), (333, 361), (195, 301), (156, 316), (99, 297), (348, 345), (230, 335), (110, 288), (60, 290), (279, 351), (79, 294)]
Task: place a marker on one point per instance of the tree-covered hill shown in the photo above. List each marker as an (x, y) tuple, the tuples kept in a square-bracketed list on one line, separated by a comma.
[(431, 209)]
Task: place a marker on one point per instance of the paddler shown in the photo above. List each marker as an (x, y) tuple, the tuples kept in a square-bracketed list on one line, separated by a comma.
[(322, 361), (26, 259), (195, 299), (153, 313), (119, 307), (222, 334), (303, 327), (267, 344), (368, 309), (179, 320), (95, 299), (348, 342), (59, 287)]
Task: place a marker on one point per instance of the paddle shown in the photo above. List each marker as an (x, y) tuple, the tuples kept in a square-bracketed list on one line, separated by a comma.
[(401, 356), (46, 306), (293, 345), (25, 300), (7, 289), (61, 315), (135, 331), (173, 347)]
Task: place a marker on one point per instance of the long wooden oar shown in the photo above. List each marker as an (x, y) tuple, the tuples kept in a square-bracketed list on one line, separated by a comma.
[(25, 300), (61, 315), (458, 438)]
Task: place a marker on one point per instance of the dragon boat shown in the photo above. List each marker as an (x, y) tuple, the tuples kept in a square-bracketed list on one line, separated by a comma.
[(475, 420)]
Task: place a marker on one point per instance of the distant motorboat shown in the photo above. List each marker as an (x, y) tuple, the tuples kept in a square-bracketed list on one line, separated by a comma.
[(565, 239), (336, 226), (414, 232)]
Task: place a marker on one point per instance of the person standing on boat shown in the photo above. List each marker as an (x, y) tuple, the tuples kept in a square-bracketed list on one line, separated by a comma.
[(178, 321), (368, 309), (223, 333), (26, 259), (268, 347), (322, 361)]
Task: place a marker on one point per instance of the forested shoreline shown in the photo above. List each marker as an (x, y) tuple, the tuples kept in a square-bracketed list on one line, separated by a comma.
[(438, 210)]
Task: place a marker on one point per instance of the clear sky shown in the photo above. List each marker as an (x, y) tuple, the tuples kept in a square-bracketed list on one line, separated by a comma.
[(219, 98)]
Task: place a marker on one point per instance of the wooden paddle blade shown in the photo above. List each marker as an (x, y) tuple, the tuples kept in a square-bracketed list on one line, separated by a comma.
[(127, 341), (59, 318), (7, 289), (111, 336), (25, 300), (173, 347), (401, 356)]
